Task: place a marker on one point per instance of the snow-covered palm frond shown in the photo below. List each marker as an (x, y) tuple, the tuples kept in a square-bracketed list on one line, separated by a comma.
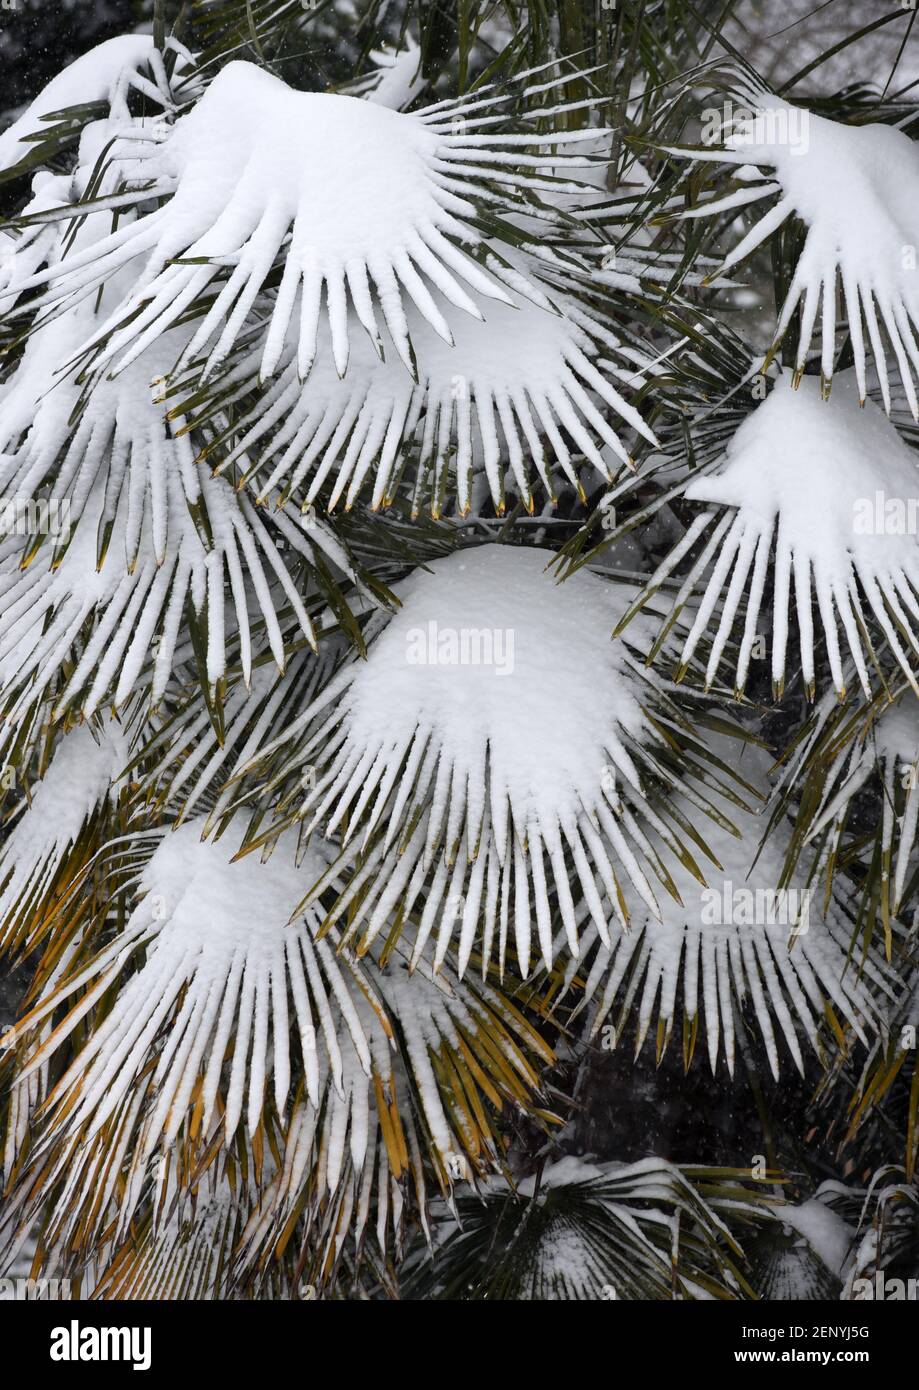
[(856, 188), (187, 1256), (523, 392), (94, 85), (795, 495), (588, 1231), (748, 941), (429, 749), (399, 192), (124, 617), (56, 825), (238, 998), (802, 1254), (842, 755), (395, 79)]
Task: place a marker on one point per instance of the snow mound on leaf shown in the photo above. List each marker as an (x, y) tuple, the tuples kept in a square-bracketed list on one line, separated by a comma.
[(497, 738), (492, 655), (830, 488), (825, 1231), (813, 464), (83, 772), (857, 190), (896, 732), (89, 78), (225, 906)]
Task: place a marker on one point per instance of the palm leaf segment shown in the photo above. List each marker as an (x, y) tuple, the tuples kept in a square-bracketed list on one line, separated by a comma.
[(739, 942), (821, 171), (428, 749), (795, 492)]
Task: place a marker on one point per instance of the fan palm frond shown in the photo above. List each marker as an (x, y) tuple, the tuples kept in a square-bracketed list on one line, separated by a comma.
[(796, 494), (236, 997), (743, 941), (647, 1230), (428, 749), (237, 196), (821, 170), (803, 1253)]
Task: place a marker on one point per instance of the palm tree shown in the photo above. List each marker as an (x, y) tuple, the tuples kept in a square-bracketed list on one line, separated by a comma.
[(392, 463)]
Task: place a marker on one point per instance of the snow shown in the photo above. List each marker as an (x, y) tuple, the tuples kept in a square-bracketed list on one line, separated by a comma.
[(399, 191), (89, 78), (398, 80), (551, 652), (239, 190), (896, 732), (823, 1229), (804, 476), (439, 750), (83, 773), (218, 940)]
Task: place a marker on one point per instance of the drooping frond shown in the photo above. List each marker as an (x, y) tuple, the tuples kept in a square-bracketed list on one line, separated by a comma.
[(795, 498)]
